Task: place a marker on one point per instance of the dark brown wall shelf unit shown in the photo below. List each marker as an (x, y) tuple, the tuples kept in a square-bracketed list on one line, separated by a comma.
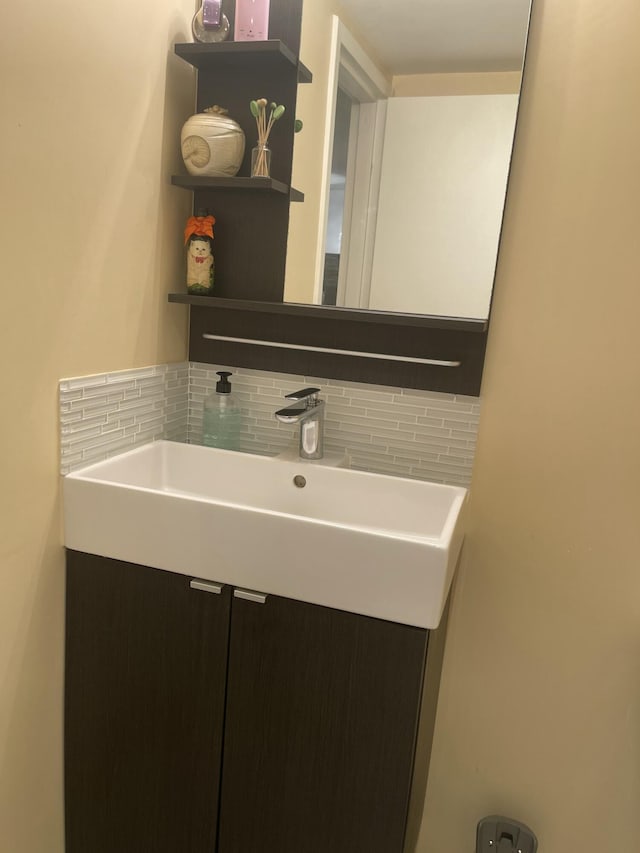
[(252, 214)]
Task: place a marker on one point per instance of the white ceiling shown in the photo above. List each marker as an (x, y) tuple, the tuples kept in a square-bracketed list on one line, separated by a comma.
[(430, 36)]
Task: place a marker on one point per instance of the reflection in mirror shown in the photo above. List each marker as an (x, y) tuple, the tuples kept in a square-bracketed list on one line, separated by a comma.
[(335, 212), (420, 113)]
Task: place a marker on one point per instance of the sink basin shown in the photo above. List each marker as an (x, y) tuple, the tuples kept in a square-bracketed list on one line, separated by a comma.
[(368, 543)]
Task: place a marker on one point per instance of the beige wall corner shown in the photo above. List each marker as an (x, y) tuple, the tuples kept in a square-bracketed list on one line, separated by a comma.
[(89, 247), (540, 704), (540, 707)]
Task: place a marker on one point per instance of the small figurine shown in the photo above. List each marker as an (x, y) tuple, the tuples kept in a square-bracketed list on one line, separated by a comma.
[(198, 237)]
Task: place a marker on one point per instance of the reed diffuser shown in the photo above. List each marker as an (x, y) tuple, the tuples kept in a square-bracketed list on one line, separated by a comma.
[(261, 154)]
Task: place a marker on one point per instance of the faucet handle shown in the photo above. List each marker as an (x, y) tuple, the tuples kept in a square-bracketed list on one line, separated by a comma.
[(304, 394)]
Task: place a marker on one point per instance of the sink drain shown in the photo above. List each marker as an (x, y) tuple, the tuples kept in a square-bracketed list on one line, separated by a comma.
[(299, 481)]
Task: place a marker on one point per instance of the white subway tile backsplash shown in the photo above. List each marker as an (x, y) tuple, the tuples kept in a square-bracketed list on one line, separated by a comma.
[(100, 406), (81, 437), (422, 434), (83, 382), (83, 423), (340, 406), (430, 420), (369, 398), (395, 410), (391, 430), (428, 395), (107, 413)]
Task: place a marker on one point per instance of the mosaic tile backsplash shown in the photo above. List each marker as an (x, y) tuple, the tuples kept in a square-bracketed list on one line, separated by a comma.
[(108, 413), (421, 434)]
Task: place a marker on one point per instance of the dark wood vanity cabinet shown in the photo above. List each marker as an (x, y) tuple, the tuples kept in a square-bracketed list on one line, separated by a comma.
[(320, 730), (146, 666), (201, 722)]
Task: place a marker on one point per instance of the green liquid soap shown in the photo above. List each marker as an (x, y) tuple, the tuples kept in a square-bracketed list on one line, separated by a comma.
[(221, 417)]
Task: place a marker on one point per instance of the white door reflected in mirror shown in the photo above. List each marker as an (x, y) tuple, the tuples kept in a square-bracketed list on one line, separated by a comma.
[(444, 177)]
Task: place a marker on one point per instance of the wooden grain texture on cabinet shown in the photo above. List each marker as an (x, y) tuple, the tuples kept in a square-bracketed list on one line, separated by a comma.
[(322, 712), (146, 661)]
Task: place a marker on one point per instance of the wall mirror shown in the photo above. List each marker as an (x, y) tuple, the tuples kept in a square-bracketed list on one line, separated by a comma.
[(403, 162), (421, 108)]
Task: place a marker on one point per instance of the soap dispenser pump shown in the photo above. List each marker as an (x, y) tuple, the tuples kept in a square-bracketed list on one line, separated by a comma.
[(221, 416)]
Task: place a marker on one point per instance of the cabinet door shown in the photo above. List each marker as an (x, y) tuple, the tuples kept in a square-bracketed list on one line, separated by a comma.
[(146, 660), (322, 710)]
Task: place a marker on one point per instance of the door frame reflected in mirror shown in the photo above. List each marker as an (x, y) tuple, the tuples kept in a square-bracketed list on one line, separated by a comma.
[(367, 88)]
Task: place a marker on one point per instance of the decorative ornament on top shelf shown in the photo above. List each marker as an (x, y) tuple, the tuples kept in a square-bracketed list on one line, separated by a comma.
[(212, 144), (210, 24)]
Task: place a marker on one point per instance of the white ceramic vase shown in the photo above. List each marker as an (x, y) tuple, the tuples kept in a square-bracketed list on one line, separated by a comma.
[(212, 144)]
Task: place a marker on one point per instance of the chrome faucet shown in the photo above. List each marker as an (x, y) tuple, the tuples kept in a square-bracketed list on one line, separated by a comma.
[(308, 411)]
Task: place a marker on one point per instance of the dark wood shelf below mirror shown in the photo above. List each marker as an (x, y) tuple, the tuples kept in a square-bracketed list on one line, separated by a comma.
[(267, 185), (400, 350), (297, 309)]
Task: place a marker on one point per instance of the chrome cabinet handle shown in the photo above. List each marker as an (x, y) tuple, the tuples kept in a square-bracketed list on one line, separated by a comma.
[(249, 595), (408, 359), (206, 586)]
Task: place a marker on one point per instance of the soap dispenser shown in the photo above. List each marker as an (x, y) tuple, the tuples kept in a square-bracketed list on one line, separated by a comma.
[(221, 416)]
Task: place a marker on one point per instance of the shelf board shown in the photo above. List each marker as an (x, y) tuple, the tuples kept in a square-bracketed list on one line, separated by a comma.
[(332, 313), (226, 54), (189, 182)]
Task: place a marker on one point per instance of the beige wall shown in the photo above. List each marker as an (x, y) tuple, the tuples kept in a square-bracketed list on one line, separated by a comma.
[(91, 106), (540, 707)]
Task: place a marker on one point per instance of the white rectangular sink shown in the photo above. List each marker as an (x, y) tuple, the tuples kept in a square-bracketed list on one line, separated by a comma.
[(368, 543)]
